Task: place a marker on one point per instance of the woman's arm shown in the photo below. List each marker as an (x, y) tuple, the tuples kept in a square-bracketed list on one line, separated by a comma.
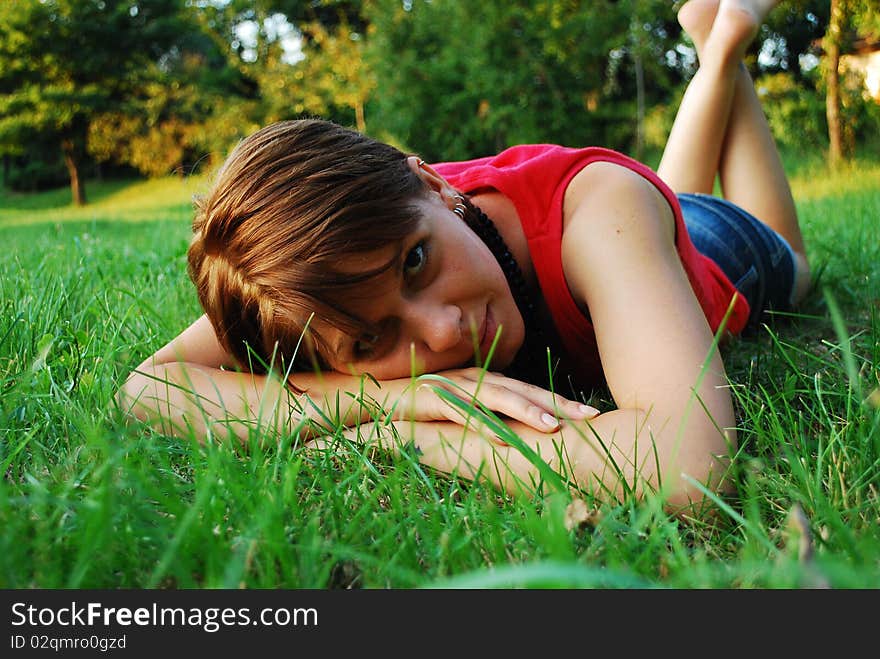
[(188, 388), (580, 452), (674, 421), (675, 412)]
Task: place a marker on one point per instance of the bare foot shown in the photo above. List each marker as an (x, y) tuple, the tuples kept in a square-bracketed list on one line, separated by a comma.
[(757, 9), (735, 25), (696, 18)]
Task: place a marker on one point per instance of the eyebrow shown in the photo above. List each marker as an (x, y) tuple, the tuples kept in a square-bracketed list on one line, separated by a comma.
[(393, 263), (380, 269)]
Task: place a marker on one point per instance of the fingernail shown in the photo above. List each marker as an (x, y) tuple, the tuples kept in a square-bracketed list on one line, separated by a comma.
[(589, 411), (549, 420)]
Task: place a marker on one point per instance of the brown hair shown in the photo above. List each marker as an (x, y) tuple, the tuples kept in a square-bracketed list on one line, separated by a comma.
[(291, 200)]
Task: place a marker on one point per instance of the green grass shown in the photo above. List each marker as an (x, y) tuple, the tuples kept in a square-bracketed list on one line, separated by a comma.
[(88, 502), (115, 201)]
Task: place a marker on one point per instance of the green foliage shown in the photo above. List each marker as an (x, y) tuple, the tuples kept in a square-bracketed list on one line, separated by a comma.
[(794, 28), (795, 109), (172, 121), (43, 168), (170, 86), (334, 78), (795, 113), (468, 78), (62, 62), (866, 18), (192, 103)]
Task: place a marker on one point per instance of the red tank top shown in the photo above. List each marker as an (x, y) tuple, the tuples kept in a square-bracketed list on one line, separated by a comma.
[(534, 177)]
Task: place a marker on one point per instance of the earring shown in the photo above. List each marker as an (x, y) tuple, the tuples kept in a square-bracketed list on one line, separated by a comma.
[(460, 208)]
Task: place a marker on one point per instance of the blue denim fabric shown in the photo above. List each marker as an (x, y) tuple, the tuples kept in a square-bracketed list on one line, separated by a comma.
[(758, 261)]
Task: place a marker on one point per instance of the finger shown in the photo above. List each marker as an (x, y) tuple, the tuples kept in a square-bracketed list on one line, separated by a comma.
[(551, 402), (538, 408), (523, 402), (515, 403), (466, 415)]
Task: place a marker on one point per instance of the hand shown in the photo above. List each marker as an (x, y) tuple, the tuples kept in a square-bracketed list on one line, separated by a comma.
[(527, 403)]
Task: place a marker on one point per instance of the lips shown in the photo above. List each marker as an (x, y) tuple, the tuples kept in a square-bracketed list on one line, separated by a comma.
[(487, 332)]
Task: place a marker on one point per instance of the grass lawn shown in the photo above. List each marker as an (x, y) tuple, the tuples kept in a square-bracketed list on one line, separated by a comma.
[(88, 502)]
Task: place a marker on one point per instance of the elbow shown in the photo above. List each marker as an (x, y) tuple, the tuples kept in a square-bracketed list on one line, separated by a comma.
[(699, 489), (703, 477), (130, 397)]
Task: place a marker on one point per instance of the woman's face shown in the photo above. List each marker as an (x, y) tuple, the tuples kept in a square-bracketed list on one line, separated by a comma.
[(438, 306)]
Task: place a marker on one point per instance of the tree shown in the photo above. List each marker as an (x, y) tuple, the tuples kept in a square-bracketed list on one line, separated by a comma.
[(825, 30), (326, 75), (792, 32), (64, 62), (189, 106), (462, 79), (832, 44), (650, 47), (334, 73), (849, 20)]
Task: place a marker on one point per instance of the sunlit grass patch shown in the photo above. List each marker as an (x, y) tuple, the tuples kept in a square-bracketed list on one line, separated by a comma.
[(119, 201)]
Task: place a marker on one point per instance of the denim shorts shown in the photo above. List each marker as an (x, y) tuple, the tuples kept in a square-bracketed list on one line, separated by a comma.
[(758, 261)]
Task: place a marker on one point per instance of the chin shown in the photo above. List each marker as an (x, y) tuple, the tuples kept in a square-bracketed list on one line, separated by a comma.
[(504, 356)]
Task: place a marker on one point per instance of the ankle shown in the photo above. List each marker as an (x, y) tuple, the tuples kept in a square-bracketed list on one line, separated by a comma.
[(721, 59)]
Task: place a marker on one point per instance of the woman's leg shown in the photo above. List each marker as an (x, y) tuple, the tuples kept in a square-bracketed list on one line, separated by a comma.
[(721, 129)]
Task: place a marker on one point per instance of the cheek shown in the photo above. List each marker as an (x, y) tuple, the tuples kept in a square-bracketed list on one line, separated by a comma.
[(480, 269)]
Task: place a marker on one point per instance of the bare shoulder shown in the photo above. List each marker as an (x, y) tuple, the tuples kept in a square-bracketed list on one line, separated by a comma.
[(615, 224), (608, 190)]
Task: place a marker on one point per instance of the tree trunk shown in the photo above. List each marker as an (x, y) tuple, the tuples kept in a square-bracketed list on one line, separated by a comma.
[(359, 117), (640, 105), (832, 80), (636, 42), (77, 187)]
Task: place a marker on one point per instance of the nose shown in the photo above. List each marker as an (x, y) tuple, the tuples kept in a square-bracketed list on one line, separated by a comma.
[(436, 326)]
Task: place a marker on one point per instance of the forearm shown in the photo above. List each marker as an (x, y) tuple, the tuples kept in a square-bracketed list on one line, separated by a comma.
[(195, 401), (612, 454)]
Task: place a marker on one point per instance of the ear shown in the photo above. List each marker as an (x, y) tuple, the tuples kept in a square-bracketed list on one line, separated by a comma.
[(433, 180)]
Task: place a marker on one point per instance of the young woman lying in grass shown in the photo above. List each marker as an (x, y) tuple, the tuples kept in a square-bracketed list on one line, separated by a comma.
[(321, 256)]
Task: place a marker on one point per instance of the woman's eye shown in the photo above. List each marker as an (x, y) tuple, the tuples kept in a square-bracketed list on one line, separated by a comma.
[(415, 260), (365, 345)]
